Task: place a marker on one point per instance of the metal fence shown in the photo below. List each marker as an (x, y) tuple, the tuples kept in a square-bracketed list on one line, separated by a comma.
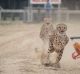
[(37, 15)]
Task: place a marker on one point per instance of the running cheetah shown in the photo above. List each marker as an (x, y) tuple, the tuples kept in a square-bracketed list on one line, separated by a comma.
[(46, 31), (57, 42)]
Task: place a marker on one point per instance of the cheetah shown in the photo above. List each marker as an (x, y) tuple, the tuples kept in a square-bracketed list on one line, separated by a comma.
[(46, 31), (57, 42)]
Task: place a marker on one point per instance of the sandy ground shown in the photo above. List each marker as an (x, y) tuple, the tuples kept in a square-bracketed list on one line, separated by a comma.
[(17, 50)]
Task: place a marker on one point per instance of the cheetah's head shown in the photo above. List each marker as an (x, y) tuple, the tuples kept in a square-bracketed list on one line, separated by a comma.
[(61, 28), (47, 20)]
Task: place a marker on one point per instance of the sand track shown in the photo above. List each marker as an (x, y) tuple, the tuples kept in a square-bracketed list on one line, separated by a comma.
[(17, 44)]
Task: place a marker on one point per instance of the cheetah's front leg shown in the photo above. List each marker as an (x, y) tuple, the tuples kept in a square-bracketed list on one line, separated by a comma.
[(45, 58), (45, 53), (58, 56)]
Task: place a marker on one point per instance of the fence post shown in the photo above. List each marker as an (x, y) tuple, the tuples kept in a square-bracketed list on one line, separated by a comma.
[(0, 14), (24, 15), (30, 14), (67, 16), (59, 14)]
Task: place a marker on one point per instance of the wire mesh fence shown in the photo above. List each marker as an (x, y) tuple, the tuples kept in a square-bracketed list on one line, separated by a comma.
[(37, 15)]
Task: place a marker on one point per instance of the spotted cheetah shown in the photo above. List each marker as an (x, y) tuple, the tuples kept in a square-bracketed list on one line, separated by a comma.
[(46, 31), (57, 42)]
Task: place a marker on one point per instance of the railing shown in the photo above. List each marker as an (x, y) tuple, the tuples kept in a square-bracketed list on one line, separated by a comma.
[(37, 15)]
